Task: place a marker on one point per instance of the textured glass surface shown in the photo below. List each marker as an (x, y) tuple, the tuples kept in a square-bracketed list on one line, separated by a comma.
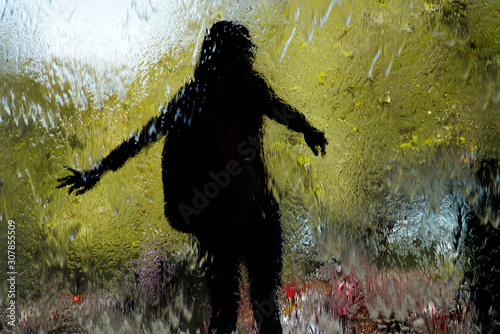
[(407, 93)]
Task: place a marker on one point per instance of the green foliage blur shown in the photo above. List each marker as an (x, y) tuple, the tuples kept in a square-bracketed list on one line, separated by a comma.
[(392, 83)]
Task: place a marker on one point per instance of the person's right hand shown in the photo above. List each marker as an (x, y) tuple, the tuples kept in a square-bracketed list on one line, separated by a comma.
[(79, 181)]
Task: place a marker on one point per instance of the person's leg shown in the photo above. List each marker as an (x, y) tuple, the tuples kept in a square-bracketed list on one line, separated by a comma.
[(222, 281), (263, 257)]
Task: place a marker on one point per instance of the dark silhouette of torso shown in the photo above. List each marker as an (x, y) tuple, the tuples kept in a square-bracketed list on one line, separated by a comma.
[(226, 133)]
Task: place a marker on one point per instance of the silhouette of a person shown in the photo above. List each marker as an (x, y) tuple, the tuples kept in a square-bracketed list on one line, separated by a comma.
[(214, 178), (478, 242)]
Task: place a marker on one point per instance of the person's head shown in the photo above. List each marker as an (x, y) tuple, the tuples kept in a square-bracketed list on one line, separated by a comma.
[(226, 48)]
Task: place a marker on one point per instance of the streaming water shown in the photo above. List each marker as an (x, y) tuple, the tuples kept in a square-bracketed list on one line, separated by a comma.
[(407, 93)]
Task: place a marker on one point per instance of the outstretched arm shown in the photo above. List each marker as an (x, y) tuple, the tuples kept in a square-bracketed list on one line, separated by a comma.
[(285, 114), (85, 180)]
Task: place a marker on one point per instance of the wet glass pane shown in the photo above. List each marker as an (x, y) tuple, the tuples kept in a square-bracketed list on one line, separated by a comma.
[(394, 229)]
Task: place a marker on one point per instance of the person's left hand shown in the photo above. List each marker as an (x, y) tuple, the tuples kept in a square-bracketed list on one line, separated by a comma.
[(79, 181), (317, 141)]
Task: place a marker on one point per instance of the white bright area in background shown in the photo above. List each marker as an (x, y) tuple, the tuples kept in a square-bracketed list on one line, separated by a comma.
[(99, 45), (102, 45), (101, 33)]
